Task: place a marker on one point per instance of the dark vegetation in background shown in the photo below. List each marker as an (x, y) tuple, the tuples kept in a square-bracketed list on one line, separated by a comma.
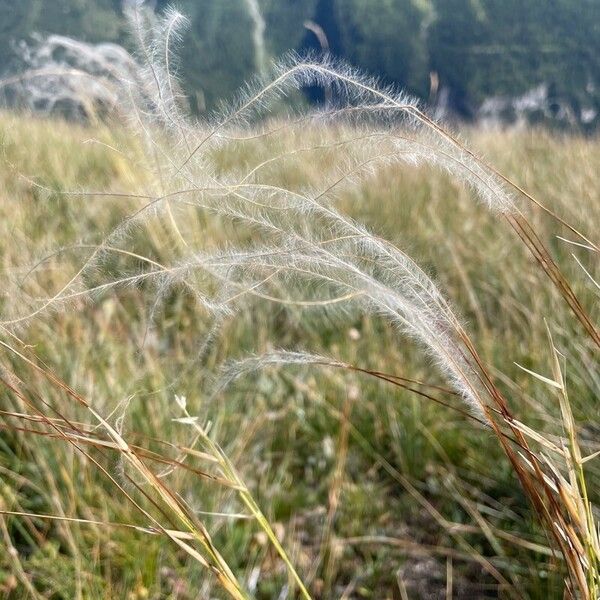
[(473, 48)]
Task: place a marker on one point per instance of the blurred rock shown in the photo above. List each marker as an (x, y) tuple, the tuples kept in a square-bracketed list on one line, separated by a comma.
[(539, 105)]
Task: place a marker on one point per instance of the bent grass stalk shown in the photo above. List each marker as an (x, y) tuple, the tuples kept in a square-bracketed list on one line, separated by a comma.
[(63, 429), (231, 473), (211, 559)]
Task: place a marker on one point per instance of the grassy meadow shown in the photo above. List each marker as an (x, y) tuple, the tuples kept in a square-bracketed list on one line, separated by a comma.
[(374, 489)]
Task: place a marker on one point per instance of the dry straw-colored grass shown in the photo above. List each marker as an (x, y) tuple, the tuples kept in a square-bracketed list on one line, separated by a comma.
[(272, 228)]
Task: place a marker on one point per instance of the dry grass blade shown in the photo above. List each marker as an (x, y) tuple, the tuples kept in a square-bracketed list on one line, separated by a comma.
[(210, 558)]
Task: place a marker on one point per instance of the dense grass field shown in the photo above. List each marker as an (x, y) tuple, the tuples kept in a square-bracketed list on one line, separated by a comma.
[(374, 491)]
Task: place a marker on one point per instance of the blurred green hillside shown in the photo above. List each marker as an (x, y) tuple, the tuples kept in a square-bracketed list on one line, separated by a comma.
[(473, 49)]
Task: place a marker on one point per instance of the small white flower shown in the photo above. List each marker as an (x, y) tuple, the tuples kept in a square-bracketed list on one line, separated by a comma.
[(354, 334)]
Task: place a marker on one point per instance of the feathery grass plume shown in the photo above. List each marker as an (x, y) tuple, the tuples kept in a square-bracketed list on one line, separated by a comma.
[(157, 98), (420, 140)]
